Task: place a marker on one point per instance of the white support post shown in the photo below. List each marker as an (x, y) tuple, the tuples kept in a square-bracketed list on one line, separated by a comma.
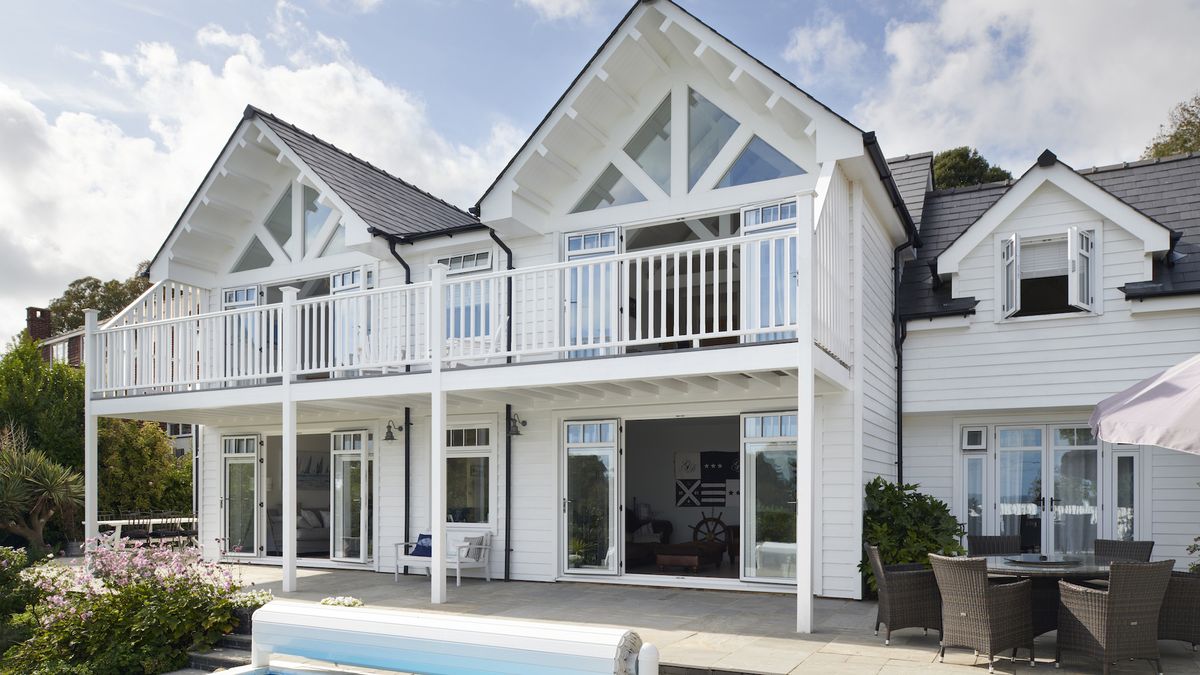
[(91, 461), (437, 433), (805, 416), (286, 365)]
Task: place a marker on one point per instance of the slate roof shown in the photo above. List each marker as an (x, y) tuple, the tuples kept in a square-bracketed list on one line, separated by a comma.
[(389, 204), (912, 174), (1166, 190)]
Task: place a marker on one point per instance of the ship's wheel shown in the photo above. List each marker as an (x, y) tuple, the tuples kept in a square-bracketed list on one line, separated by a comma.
[(711, 529)]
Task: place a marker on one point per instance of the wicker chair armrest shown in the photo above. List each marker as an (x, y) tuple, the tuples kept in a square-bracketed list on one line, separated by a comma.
[(1088, 605)]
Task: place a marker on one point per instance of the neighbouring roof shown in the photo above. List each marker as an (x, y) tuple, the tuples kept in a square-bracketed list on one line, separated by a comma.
[(386, 203), (912, 174), (1166, 190)]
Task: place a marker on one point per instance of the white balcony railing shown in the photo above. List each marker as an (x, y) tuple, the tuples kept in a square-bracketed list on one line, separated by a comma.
[(729, 291)]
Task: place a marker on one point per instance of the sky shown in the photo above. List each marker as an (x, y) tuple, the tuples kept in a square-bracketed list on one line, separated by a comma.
[(112, 111)]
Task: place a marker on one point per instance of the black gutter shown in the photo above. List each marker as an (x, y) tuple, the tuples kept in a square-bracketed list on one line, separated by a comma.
[(508, 412), (508, 293)]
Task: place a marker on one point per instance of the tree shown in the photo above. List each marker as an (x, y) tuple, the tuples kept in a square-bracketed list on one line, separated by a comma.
[(109, 297), (44, 401), (140, 454), (962, 166), (1181, 134), (32, 488)]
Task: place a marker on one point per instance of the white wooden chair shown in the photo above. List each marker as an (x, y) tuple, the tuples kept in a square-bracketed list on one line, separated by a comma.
[(460, 555)]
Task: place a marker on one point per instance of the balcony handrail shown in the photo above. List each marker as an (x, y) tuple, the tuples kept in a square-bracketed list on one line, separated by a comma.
[(378, 290), (143, 302)]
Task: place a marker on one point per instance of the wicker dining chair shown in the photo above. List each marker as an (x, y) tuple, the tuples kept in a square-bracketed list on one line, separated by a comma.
[(1180, 615), (981, 545), (1118, 549), (1115, 624), (908, 596), (988, 618)]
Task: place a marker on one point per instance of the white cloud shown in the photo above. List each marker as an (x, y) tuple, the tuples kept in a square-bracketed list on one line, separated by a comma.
[(824, 52), (1091, 80), (83, 196), (553, 10)]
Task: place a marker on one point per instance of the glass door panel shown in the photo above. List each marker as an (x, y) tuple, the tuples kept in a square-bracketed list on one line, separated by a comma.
[(1074, 506), (590, 504), (769, 497), (1019, 500), (768, 290), (241, 513), (1125, 494), (591, 307), (349, 496)]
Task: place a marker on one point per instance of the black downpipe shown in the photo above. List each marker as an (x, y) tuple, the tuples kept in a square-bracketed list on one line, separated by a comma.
[(508, 290), (407, 481), (901, 332), (402, 261), (508, 412)]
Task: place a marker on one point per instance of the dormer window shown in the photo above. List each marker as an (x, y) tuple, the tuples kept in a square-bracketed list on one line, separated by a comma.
[(1047, 274)]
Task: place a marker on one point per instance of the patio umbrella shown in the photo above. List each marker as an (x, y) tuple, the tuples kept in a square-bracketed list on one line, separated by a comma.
[(1163, 410)]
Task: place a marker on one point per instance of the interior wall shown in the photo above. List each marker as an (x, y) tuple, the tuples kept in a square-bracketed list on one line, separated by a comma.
[(650, 447)]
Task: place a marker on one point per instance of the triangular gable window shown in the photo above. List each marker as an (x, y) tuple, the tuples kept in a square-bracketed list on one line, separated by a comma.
[(709, 128), (256, 256), (337, 242), (315, 215), (759, 162), (610, 189), (650, 147), (279, 223)]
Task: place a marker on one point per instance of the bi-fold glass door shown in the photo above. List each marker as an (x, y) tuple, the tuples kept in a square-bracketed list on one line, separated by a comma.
[(240, 459), (769, 490), (1048, 487), (350, 496), (591, 507)]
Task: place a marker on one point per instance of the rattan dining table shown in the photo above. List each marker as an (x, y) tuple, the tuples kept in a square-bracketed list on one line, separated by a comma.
[(1045, 571)]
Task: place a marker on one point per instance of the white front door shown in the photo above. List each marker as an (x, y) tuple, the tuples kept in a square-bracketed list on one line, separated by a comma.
[(591, 305), (591, 511), (769, 497), (350, 496)]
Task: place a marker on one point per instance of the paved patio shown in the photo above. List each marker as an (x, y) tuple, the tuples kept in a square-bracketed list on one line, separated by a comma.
[(697, 631)]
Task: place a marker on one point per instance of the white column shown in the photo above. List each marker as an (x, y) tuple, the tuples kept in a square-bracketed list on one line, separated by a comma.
[(805, 417), (437, 433), (91, 461), (288, 459)]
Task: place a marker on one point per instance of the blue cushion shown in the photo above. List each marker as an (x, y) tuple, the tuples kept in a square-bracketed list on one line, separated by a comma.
[(424, 547)]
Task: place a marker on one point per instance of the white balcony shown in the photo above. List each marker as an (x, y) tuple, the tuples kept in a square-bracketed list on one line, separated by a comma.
[(731, 291)]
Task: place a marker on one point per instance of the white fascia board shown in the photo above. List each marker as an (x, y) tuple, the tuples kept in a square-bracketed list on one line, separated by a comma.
[(958, 321), (356, 227), (159, 266), (1173, 303), (1155, 237)]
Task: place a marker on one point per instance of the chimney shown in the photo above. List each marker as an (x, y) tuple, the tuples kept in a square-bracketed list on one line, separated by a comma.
[(37, 322)]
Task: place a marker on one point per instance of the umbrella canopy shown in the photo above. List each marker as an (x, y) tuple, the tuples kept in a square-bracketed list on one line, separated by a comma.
[(1163, 410)]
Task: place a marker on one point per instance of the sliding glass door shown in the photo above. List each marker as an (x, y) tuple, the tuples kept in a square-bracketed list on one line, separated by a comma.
[(590, 505), (769, 497)]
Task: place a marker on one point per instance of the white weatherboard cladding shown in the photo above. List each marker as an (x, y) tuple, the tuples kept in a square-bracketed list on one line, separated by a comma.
[(1168, 484), (879, 354), (1066, 360), (839, 499)]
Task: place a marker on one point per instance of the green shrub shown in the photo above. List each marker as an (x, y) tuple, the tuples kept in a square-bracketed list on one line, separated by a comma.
[(139, 610), (15, 596), (906, 525)]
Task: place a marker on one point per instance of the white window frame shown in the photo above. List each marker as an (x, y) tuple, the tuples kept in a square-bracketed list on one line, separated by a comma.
[(252, 301), (777, 223), (486, 451), (985, 460), (475, 266), (249, 453), (967, 445), (1140, 511), (1089, 263)]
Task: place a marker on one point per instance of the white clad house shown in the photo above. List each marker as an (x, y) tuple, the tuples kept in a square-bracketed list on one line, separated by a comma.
[(675, 316)]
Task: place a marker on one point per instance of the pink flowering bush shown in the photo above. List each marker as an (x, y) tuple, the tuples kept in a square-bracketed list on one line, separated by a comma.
[(133, 609)]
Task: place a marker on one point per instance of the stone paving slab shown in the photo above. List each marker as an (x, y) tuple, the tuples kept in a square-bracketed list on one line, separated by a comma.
[(702, 632)]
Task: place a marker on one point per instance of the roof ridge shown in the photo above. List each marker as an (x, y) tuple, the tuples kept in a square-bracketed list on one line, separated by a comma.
[(1140, 162), (251, 109), (918, 155), (974, 188)]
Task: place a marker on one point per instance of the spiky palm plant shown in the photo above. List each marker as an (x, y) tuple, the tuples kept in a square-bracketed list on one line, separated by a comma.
[(33, 488)]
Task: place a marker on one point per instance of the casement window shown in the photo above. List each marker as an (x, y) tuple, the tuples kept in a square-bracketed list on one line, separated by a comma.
[(465, 263), (1047, 274), (469, 459)]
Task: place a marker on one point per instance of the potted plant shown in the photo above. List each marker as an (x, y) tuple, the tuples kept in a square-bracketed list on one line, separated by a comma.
[(906, 525), (244, 604)]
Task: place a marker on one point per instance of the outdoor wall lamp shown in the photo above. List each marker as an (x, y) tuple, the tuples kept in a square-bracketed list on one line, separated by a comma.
[(514, 425), (392, 427)]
